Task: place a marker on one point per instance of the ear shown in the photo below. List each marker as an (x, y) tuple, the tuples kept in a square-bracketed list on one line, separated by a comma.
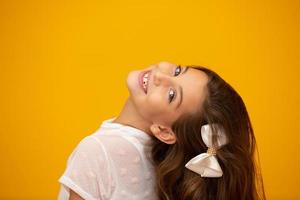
[(163, 133)]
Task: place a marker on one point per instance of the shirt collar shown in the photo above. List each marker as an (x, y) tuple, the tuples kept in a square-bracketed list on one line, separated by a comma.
[(129, 130)]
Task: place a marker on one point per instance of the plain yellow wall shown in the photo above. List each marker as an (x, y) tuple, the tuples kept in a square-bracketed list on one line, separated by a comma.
[(63, 67)]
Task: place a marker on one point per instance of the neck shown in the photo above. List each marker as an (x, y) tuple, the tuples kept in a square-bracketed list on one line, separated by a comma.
[(130, 117)]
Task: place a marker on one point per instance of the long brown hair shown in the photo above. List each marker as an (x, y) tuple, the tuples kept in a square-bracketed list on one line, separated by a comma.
[(241, 172)]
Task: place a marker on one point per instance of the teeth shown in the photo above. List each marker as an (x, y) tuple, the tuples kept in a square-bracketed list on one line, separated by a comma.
[(145, 81)]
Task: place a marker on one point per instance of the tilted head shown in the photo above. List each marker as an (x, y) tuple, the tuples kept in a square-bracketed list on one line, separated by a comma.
[(166, 92)]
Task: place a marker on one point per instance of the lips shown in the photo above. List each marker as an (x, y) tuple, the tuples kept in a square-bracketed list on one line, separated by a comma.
[(141, 80)]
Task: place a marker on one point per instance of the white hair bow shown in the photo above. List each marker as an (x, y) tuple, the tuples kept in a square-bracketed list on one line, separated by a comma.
[(206, 164)]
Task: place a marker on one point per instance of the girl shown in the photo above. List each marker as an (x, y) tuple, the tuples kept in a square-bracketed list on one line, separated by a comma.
[(184, 133)]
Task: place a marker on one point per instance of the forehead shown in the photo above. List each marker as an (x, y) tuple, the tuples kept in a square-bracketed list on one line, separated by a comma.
[(193, 84)]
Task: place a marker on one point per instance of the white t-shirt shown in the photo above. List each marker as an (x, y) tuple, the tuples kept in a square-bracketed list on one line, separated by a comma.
[(111, 164)]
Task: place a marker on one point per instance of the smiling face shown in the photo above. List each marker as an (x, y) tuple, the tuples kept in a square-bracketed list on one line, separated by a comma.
[(172, 90)]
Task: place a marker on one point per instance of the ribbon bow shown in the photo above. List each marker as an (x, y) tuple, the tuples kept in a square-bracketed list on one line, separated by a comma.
[(206, 164)]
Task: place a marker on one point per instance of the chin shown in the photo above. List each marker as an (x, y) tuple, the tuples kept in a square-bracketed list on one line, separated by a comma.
[(132, 84)]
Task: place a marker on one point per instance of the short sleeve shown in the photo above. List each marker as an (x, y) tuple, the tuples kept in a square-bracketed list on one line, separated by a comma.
[(87, 172)]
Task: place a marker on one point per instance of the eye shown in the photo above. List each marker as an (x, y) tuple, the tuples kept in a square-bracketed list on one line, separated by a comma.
[(172, 95), (177, 70)]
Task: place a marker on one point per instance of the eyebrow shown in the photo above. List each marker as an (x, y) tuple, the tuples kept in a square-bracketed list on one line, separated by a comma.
[(180, 88)]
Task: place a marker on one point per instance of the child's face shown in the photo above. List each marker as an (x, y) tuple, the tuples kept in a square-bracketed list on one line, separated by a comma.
[(161, 103)]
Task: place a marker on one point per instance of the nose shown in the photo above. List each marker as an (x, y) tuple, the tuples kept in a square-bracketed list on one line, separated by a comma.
[(160, 77)]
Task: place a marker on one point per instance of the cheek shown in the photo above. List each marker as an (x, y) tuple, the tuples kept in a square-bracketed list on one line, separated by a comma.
[(156, 105), (156, 100)]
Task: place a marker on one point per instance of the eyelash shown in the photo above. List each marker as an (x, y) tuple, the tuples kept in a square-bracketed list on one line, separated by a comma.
[(174, 95)]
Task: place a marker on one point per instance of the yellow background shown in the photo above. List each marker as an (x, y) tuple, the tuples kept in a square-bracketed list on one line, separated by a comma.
[(63, 67)]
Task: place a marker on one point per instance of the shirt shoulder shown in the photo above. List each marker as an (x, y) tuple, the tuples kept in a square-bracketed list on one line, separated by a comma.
[(131, 165), (88, 171)]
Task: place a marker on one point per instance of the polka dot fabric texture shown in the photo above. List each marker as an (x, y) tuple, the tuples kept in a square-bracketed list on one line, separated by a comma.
[(111, 164)]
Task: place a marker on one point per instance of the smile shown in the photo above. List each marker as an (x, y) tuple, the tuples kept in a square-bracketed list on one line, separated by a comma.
[(144, 79)]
